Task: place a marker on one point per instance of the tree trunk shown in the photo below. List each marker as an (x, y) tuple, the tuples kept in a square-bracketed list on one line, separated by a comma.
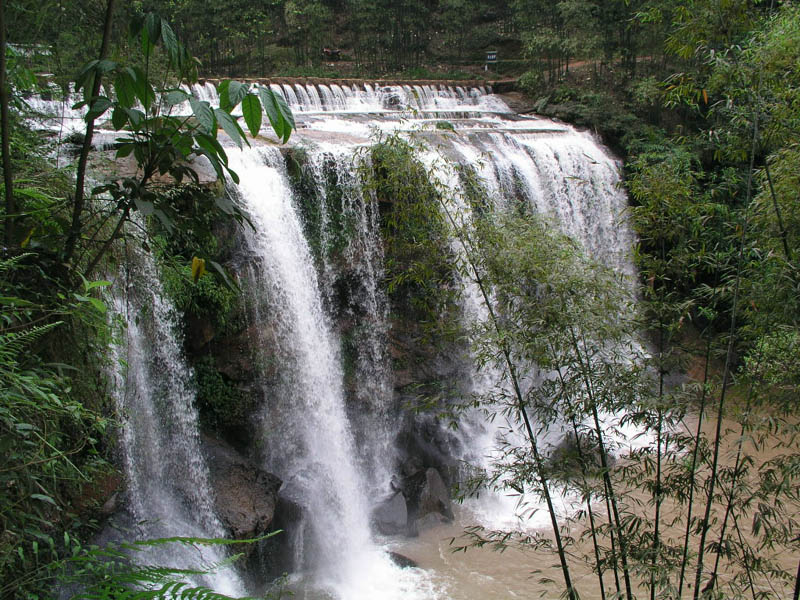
[(8, 180), (80, 177)]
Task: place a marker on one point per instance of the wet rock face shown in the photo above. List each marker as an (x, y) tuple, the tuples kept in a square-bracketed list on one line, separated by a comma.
[(245, 495), (390, 517), (434, 497), (420, 500)]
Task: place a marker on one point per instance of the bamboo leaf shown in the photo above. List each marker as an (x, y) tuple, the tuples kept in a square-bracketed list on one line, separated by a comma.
[(44, 498)]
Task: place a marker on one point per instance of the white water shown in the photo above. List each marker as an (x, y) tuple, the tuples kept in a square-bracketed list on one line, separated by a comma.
[(167, 478), (554, 169), (332, 461), (348, 221), (332, 446), (308, 438)]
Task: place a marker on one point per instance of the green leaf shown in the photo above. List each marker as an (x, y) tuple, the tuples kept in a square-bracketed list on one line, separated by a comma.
[(119, 117), (44, 498), (99, 106), (145, 206), (14, 301), (224, 203), (152, 25), (230, 126), (272, 110), (171, 44), (212, 158), (85, 74), (224, 98), (285, 111), (105, 66), (204, 115), (135, 116), (99, 305), (125, 88), (175, 97), (236, 93), (168, 223), (251, 110), (90, 285), (143, 89), (279, 114), (219, 269), (124, 150), (211, 144)]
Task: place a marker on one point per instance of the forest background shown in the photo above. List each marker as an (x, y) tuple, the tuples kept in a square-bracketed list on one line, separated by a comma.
[(698, 97)]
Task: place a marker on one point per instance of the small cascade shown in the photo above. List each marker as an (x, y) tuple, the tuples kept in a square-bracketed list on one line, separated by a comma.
[(206, 91), (351, 266), (51, 110), (166, 474), (311, 98), (308, 439)]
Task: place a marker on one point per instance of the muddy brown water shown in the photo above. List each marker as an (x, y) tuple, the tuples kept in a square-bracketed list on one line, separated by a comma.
[(484, 573)]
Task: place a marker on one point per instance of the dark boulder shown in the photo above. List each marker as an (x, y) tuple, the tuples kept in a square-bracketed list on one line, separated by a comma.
[(391, 516), (428, 501), (245, 495), (434, 497), (402, 561)]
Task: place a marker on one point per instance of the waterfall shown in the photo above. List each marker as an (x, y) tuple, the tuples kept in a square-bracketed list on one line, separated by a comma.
[(564, 176), (310, 264), (166, 474), (330, 441), (350, 257), (308, 438), (332, 445)]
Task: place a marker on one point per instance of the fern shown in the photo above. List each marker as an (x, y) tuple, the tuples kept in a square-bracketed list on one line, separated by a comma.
[(112, 573), (13, 343)]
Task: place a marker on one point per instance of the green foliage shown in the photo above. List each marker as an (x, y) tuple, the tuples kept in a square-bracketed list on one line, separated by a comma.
[(213, 297), (207, 300), (419, 278), (50, 440), (163, 144), (308, 23), (329, 222), (113, 571), (426, 73), (222, 407)]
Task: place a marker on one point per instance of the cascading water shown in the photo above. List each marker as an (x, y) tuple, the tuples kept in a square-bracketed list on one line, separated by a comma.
[(569, 179), (315, 441), (307, 434), (166, 474), (350, 261), (328, 419)]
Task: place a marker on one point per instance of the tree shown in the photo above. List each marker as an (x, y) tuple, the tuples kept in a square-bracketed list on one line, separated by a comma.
[(307, 21), (161, 143)]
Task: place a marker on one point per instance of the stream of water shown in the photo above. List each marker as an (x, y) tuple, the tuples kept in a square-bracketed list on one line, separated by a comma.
[(332, 445), (333, 459)]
